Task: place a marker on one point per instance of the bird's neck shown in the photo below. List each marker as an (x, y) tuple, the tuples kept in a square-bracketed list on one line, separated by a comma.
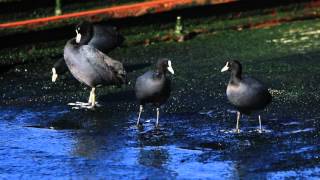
[(159, 74), (235, 77), (72, 44), (86, 37)]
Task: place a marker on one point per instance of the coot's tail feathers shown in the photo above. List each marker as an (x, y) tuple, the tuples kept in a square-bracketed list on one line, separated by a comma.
[(113, 32), (119, 38), (118, 70)]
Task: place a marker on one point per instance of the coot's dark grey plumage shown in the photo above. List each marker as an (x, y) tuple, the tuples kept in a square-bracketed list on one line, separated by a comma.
[(92, 67), (154, 86), (245, 93), (102, 36)]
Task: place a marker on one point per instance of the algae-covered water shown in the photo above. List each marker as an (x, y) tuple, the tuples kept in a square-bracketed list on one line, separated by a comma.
[(42, 137)]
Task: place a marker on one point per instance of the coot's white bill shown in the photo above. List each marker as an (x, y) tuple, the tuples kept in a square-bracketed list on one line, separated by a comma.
[(78, 37), (225, 68), (54, 75), (170, 69)]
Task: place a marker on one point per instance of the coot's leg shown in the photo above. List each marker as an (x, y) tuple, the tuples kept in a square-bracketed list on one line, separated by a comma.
[(260, 129), (140, 111), (238, 118), (158, 113), (90, 98), (93, 97)]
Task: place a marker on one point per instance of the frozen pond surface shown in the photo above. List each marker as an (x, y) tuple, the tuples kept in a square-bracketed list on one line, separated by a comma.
[(42, 137), (186, 145)]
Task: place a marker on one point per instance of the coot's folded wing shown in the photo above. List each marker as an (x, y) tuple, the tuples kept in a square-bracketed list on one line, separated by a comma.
[(96, 59), (107, 68)]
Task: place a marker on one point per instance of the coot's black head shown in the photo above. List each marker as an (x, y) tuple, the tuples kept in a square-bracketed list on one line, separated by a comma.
[(164, 65), (234, 67), (84, 32)]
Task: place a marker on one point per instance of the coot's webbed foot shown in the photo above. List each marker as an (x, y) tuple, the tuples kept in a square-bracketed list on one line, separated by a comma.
[(260, 126), (89, 105), (80, 105), (158, 113), (83, 105), (140, 111), (238, 119)]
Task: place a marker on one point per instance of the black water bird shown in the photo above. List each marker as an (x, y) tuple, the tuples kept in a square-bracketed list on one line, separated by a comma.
[(102, 36), (154, 87), (92, 67), (245, 93)]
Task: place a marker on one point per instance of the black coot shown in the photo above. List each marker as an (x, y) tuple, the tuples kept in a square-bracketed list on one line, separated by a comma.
[(59, 67), (102, 36), (245, 93), (154, 87), (92, 67)]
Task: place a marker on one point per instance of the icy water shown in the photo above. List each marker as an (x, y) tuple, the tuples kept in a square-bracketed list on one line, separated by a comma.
[(42, 137), (189, 145)]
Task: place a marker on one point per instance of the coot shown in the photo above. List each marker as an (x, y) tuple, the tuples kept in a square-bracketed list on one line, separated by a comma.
[(92, 67), (245, 93), (59, 67), (102, 36), (154, 87)]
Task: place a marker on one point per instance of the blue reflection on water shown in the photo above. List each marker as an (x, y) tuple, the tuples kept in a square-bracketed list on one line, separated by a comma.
[(186, 146)]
